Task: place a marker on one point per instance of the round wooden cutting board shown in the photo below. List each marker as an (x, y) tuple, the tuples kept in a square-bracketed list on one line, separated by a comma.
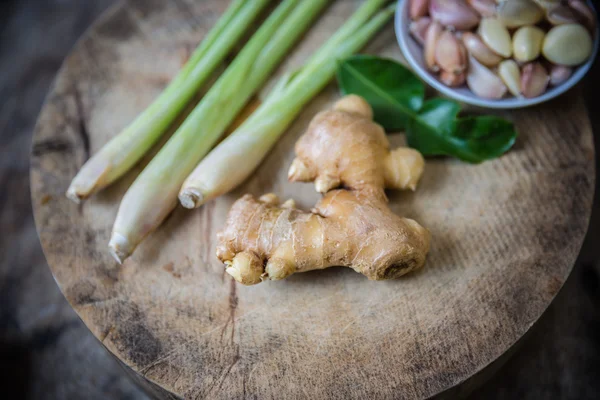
[(505, 236)]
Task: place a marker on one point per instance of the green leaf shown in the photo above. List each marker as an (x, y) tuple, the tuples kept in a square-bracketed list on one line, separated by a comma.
[(472, 139), (477, 139), (427, 130), (433, 126), (394, 92), (440, 114)]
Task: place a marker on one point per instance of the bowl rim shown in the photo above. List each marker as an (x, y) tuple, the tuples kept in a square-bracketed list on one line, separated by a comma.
[(403, 36)]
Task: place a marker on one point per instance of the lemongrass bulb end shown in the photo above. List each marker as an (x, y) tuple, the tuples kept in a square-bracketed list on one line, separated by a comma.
[(191, 198), (119, 246), (73, 195)]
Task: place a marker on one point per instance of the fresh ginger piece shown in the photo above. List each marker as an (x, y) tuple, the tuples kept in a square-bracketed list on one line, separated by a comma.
[(351, 226), (344, 147), (347, 228)]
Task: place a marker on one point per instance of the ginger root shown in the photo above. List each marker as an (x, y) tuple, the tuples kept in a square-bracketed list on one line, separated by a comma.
[(351, 226)]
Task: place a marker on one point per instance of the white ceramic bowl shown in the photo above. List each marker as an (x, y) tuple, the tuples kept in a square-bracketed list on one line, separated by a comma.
[(413, 53)]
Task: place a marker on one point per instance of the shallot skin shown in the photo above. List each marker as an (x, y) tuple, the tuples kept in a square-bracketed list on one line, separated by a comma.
[(522, 47), (454, 13)]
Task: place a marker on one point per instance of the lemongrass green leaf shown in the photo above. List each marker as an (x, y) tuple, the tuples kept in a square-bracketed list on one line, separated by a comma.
[(232, 161), (124, 150)]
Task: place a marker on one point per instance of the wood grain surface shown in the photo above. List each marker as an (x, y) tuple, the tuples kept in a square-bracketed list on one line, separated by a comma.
[(505, 236)]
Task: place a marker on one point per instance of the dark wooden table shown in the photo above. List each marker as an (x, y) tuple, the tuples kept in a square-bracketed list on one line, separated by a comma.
[(47, 352)]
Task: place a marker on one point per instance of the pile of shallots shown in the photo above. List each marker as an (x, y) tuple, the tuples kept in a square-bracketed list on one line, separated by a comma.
[(497, 47)]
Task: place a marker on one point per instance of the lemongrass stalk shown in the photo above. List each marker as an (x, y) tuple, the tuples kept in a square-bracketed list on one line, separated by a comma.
[(356, 21), (234, 159), (153, 195), (127, 148)]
